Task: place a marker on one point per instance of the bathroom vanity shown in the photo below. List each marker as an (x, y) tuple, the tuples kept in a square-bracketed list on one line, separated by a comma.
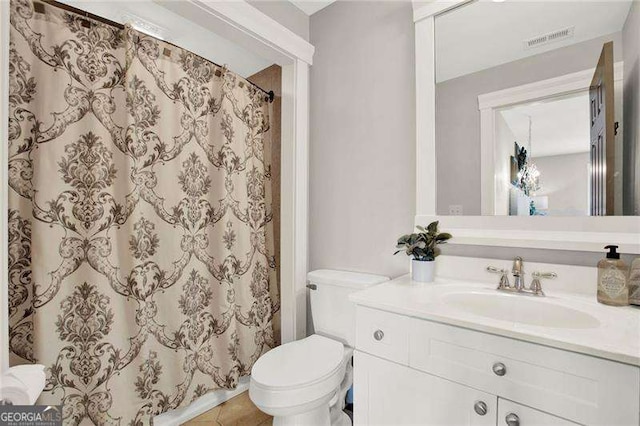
[(459, 352)]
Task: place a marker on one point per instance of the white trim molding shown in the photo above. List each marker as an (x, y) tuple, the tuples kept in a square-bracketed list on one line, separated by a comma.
[(425, 10), (424, 18), (562, 85), (542, 232), (425, 119), (294, 200), (490, 103), (245, 25)]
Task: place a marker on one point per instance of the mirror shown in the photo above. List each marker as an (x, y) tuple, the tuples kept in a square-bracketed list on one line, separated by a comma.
[(537, 108)]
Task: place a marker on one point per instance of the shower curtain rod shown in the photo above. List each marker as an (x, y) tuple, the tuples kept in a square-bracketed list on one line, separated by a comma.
[(270, 94)]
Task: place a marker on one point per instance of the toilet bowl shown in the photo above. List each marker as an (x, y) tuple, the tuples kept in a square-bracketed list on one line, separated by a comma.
[(305, 382)]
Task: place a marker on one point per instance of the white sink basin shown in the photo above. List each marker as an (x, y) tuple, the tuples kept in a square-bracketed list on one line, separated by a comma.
[(521, 309)]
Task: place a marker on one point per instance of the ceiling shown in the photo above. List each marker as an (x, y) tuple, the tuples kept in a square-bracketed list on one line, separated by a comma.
[(493, 33), (559, 126), (169, 26), (311, 6)]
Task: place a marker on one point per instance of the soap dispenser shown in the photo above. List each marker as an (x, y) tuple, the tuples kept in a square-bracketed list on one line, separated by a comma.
[(613, 288)]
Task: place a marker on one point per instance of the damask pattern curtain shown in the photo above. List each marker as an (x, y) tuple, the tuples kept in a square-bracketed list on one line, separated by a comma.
[(140, 249)]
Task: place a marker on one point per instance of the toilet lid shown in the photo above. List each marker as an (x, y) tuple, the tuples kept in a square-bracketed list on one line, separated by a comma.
[(298, 363)]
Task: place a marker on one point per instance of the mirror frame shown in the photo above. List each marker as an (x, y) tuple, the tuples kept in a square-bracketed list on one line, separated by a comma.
[(558, 233)]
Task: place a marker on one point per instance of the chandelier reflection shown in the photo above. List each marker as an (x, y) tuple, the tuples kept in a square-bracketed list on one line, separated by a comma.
[(528, 177)]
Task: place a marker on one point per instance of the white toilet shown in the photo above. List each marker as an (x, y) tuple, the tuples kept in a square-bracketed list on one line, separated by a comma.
[(305, 382)]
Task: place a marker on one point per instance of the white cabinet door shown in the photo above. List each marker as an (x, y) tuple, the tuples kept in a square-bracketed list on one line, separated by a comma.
[(386, 393), (581, 388), (512, 414)]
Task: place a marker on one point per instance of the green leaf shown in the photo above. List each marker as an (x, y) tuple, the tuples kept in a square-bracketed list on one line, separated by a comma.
[(422, 245), (443, 236), (403, 239)]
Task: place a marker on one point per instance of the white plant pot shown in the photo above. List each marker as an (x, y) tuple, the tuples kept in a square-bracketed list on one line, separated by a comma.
[(422, 270)]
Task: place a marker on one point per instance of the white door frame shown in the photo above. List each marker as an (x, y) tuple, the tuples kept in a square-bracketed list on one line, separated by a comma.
[(490, 103), (245, 25)]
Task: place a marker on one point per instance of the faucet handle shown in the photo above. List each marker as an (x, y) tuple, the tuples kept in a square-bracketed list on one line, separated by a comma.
[(504, 277), (545, 275), (536, 285)]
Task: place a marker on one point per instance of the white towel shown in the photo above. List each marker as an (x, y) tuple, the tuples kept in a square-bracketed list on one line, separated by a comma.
[(22, 384)]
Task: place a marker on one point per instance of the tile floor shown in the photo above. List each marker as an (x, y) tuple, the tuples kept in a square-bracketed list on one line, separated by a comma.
[(238, 411)]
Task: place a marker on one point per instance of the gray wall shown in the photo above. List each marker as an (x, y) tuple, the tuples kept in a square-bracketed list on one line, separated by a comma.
[(286, 14), (362, 153), (565, 180), (458, 118), (631, 111)]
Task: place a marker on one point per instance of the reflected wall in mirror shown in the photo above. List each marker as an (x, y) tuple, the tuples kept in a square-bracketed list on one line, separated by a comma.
[(538, 109)]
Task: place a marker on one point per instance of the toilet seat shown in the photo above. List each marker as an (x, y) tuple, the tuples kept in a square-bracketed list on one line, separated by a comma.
[(306, 373), (298, 363)]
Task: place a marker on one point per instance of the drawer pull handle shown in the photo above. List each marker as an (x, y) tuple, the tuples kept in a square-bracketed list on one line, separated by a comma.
[(480, 407), (378, 335), (512, 419), (499, 368)]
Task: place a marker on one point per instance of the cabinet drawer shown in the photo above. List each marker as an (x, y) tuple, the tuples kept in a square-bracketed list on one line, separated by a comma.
[(395, 395), (510, 412), (383, 334), (577, 387)]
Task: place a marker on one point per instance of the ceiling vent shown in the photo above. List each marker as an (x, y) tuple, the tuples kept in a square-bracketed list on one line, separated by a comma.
[(547, 38)]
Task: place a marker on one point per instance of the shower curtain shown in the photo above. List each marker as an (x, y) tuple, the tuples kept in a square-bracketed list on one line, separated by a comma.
[(141, 258)]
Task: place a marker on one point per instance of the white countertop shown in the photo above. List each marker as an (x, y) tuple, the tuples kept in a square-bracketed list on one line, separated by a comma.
[(617, 337)]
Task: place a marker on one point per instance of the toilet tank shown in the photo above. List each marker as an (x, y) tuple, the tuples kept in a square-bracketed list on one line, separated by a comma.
[(333, 314)]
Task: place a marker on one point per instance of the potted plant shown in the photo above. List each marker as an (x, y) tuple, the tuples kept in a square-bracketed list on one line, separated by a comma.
[(423, 247)]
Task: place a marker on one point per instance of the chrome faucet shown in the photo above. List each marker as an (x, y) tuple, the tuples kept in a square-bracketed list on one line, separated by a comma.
[(517, 270)]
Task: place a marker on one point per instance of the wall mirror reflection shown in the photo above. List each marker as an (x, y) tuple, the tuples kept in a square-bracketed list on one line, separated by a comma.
[(538, 112)]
